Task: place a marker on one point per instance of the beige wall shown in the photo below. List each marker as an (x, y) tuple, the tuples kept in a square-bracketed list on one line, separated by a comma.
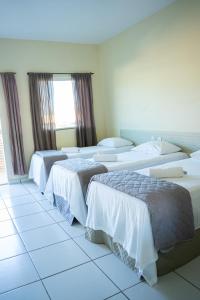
[(34, 56), (148, 77), (151, 72)]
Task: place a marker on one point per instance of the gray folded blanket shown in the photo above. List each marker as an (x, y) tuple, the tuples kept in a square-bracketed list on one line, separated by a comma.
[(169, 204), (50, 157), (84, 168)]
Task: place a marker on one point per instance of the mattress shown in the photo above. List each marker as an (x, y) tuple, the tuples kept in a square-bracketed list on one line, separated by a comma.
[(134, 160), (88, 152), (65, 183), (126, 219), (37, 168)]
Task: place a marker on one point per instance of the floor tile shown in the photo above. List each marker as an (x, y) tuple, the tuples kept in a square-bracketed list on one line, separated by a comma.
[(46, 204), (10, 186), (191, 271), (119, 296), (11, 246), (15, 272), (74, 230), (38, 196), (2, 205), (93, 250), (7, 228), (56, 255), (33, 221), (85, 282), (117, 271), (57, 258), (169, 287), (44, 236), (4, 215), (33, 291), (14, 201), (13, 190), (31, 187), (56, 215), (26, 209)]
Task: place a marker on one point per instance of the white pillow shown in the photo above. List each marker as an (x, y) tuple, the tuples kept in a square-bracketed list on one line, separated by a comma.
[(195, 154), (157, 147), (115, 142)]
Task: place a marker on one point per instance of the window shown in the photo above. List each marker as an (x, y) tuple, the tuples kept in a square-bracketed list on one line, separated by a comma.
[(63, 103)]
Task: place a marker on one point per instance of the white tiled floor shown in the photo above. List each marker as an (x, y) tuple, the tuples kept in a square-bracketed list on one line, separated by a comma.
[(14, 201), (43, 236), (7, 228), (117, 271), (2, 205), (42, 257), (11, 246), (63, 256), (24, 210), (4, 215), (33, 221)]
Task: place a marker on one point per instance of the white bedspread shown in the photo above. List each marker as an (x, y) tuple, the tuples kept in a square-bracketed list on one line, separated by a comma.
[(37, 167), (134, 160), (88, 152), (65, 183), (126, 219)]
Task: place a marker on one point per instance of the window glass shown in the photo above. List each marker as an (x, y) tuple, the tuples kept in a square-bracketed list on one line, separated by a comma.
[(64, 104)]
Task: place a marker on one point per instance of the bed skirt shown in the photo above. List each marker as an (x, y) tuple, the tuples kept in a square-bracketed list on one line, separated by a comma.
[(167, 262), (64, 208)]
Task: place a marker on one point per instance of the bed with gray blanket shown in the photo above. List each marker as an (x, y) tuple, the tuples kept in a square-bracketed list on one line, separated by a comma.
[(143, 219), (81, 170), (42, 161), (169, 204), (41, 164), (67, 184), (50, 157)]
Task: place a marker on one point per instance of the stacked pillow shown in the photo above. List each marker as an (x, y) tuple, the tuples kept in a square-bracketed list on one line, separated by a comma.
[(152, 147)]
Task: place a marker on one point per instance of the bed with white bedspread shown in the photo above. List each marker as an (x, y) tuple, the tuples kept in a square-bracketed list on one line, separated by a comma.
[(65, 184), (39, 174), (127, 221)]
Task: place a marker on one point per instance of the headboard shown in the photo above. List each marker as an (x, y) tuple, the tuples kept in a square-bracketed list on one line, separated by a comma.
[(187, 141)]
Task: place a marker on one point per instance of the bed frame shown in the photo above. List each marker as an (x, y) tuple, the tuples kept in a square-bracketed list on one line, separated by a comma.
[(187, 141)]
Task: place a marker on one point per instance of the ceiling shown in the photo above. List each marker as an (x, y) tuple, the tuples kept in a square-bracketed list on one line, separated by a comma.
[(73, 21)]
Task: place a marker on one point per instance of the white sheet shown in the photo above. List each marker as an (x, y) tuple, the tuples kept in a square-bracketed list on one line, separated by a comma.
[(135, 160), (88, 152), (37, 167), (64, 183), (126, 219)]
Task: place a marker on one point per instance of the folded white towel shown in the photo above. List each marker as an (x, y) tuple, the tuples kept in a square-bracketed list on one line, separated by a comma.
[(70, 149), (173, 172), (105, 157)]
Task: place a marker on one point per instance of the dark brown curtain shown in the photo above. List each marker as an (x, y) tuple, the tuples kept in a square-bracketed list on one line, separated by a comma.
[(14, 120), (42, 110), (85, 130)]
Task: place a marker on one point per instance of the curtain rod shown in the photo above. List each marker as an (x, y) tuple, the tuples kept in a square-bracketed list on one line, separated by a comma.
[(60, 73), (8, 73)]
